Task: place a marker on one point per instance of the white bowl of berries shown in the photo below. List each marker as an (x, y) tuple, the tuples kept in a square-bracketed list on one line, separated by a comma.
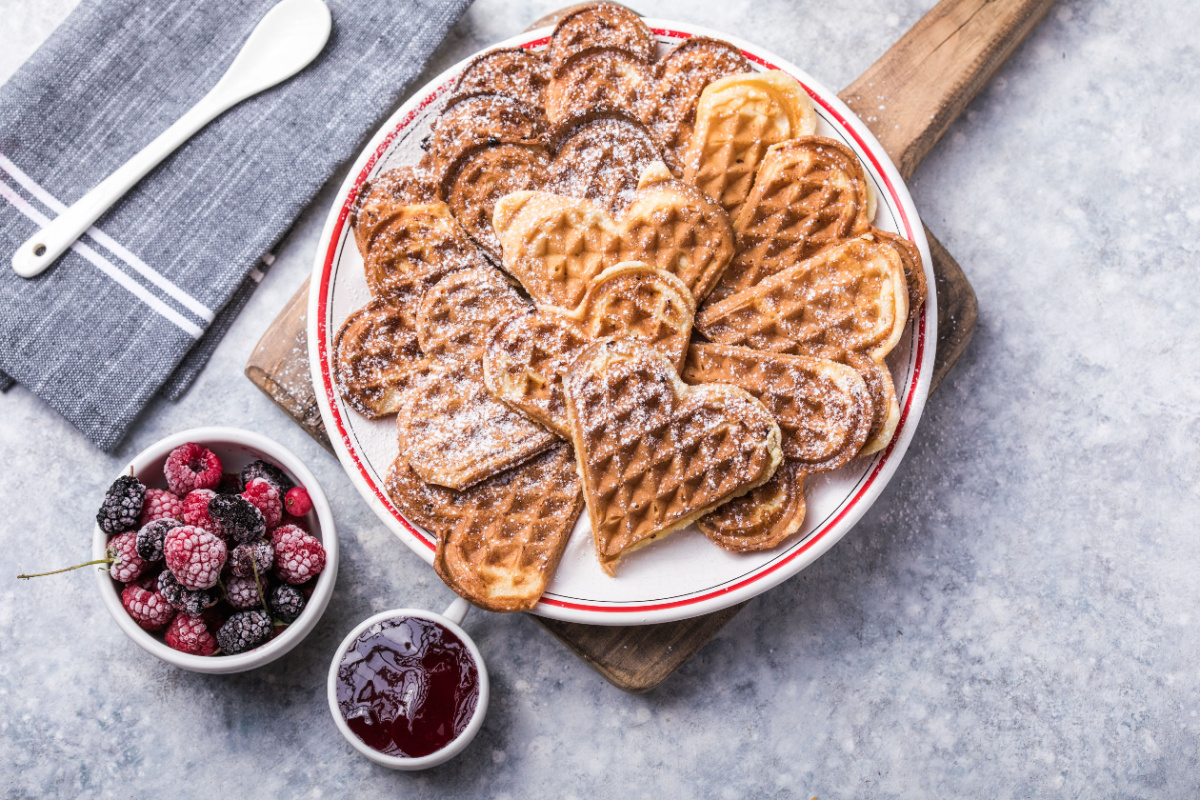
[(220, 547)]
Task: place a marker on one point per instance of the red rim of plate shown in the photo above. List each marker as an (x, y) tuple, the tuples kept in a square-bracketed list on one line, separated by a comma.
[(330, 405)]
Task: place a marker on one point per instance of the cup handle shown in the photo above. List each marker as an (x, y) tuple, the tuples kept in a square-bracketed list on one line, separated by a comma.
[(457, 611)]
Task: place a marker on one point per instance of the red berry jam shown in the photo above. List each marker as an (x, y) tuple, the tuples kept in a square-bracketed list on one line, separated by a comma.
[(407, 687)]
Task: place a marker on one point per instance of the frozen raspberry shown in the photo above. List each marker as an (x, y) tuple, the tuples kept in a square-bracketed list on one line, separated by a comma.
[(286, 602), (236, 518), (263, 495), (269, 472), (244, 630), (191, 467), (297, 502), (122, 506), (252, 558), (192, 602), (195, 509), (191, 635), (242, 593), (160, 504), (148, 608), (195, 556), (151, 537), (126, 564), (298, 556)]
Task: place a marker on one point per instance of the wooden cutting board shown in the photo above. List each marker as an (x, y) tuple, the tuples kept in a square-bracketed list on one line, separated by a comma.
[(908, 98)]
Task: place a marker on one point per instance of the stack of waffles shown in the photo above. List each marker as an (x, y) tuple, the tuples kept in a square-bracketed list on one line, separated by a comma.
[(622, 281)]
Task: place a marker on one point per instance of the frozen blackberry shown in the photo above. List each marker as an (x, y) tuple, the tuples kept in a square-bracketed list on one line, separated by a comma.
[(269, 472), (286, 602), (192, 602), (244, 631), (122, 506), (247, 558), (151, 537), (236, 518)]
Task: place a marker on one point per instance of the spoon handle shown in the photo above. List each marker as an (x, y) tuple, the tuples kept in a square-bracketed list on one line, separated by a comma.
[(41, 249)]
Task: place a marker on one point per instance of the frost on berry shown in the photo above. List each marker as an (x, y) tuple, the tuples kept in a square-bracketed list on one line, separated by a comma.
[(194, 556)]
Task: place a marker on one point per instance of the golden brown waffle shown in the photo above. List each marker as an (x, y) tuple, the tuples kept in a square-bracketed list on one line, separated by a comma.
[(656, 454), (672, 226), (737, 119), (849, 297), (414, 248), (809, 193), (511, 71), (373, 356), (500, 541), (633, 301), (600, 25), (763, 517), (914, 272), (483, 177), (456, 433), (682, 75), (598, 80), (457, 314), (525, 360), (601, 158), (823, 408), (478, 121), (555, 245), (385, 194), (885, 411)]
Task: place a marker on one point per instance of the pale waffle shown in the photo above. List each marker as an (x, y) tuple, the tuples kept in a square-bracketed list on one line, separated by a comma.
[(382, 196), (601, 157), (598, 80), (823, 408), (373, 357), (555, 245), (472, 188), (737, 119), (682, 75), (600, 26), (673, 226), (512, 71), (809, 192), (457, 314), (478, 121), (499, 541), (656, 454), (763, 517), (849, 297), (414, 248)]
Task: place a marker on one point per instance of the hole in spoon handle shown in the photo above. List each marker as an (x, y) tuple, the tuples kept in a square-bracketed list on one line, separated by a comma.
[(457, 611), (32, 258)]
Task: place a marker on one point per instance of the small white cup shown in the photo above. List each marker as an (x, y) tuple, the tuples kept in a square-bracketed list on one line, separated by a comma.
[(235, 448), (451, 619)]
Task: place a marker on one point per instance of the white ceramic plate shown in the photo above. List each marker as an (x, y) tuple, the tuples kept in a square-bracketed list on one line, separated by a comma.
[(685, 575)]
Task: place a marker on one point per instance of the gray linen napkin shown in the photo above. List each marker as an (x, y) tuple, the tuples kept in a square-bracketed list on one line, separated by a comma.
[(137, 306)]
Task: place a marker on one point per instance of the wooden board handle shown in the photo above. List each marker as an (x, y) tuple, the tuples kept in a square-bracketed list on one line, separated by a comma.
[(909, 97)]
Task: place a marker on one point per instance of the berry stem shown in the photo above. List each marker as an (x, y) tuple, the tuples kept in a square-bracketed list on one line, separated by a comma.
[(67, 569)]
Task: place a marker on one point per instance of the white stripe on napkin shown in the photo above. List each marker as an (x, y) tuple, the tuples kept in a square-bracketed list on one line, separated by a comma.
[(104, 265), (112, 245)]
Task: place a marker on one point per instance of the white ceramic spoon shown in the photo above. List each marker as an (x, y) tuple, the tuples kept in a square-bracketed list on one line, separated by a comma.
[(283, 43)]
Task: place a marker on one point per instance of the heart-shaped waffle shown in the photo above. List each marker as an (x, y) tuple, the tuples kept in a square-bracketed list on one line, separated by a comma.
[(682, 75), (600, 26), (478, 121), (527, 356), (499, 541), (510, 71), (456, 433), (761, 518), (481, 178), (849, 297), (808, 193), (598, 80), (373, 357), (823, 408), (600, 157), (386, 194), (737, 119), (656, 454)]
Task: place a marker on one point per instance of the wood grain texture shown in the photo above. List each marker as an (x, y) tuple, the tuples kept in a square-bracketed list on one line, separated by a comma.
[(922, 71)]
